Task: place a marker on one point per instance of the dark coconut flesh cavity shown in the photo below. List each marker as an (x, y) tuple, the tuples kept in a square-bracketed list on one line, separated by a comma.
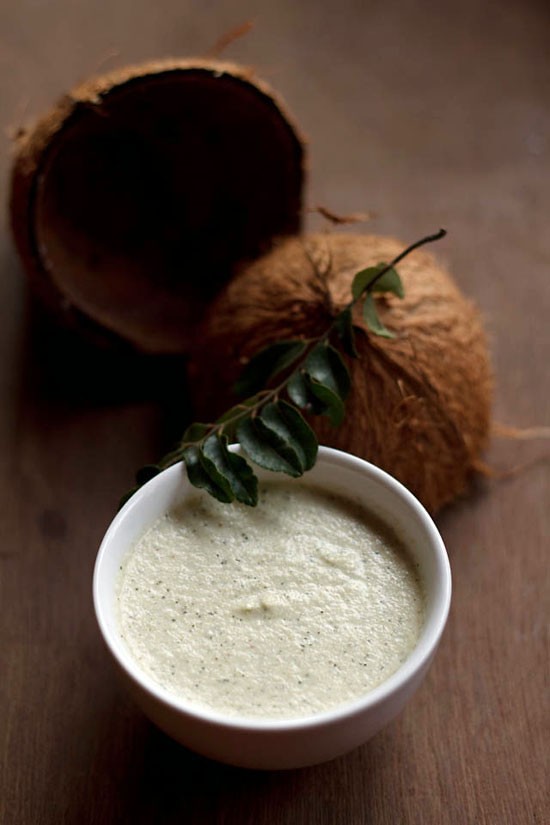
[(147, 201)]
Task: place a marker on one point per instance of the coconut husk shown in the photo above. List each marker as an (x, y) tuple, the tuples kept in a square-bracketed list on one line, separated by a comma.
[(420, 403), (136, 197)]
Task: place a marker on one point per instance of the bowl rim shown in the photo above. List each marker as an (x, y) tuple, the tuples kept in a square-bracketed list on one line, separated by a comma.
[(418, 659)]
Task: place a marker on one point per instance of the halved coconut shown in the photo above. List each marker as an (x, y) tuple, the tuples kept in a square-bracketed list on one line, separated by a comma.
[(143, 190)]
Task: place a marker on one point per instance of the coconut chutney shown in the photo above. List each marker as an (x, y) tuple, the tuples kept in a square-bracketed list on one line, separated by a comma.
[(282, 610)]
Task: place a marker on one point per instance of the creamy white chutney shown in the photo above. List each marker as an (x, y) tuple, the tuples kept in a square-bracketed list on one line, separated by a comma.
[(283, 610)]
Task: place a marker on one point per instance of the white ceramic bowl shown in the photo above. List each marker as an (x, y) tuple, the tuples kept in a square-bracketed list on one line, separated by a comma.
[(274, 744)]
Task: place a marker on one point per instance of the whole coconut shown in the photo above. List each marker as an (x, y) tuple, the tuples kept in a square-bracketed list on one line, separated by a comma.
[(420, 403)]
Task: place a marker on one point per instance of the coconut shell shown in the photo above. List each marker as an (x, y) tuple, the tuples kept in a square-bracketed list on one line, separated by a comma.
[(420, 403), (138, 195)]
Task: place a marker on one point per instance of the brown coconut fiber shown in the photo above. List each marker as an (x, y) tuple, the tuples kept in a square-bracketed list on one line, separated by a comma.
[(136, 197), (420, 403)]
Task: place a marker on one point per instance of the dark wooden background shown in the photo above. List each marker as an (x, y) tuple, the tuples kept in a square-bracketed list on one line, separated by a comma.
[(431, 112)]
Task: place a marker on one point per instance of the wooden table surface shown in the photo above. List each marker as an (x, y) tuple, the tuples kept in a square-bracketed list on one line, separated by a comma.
[(430, 113)]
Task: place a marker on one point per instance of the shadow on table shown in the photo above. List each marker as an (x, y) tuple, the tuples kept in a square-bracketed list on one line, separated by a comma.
[(164, 782), (73, 369), (61, 371)]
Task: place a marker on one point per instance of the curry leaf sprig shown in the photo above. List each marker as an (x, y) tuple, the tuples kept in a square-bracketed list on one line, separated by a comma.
[(280, 381)]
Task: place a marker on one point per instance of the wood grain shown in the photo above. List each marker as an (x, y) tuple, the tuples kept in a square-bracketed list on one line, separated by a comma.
[(431, 114)]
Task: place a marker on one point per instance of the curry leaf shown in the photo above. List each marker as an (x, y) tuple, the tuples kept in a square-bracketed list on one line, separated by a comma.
[(334, 406), (301, 432), (389, 282), (301, 393), (294, 435), (364, 278), (380, 278), (267, 449), (343, 325), (199, 476), (324, 364), (268, 363), (229, 471), (373, 322)]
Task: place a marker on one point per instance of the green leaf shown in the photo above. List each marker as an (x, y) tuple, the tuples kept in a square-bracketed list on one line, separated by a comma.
[(373, 322), (246, 490), (283, 426), (300, 431), (363, 278), (310, 394), (344, 329), (297, 389), (267, 363), (324, 364), (300, 392), (267, 449), (390, 282), (229, 471), (334, 406), (199, 477)]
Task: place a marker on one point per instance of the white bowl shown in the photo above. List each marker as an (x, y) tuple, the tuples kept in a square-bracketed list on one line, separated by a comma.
[(296, 742)]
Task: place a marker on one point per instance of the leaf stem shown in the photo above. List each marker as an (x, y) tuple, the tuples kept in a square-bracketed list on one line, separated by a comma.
[(422, 242)]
